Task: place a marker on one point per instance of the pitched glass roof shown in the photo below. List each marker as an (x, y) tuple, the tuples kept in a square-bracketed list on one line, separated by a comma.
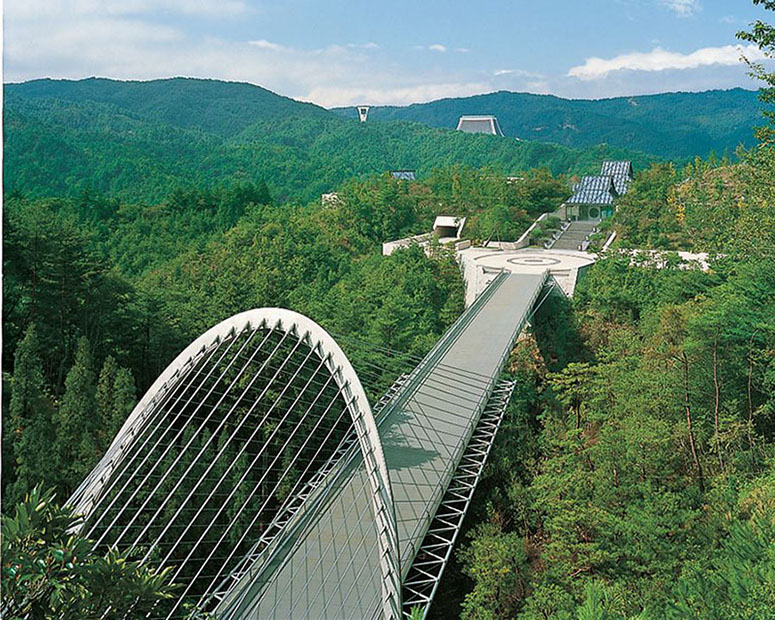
[(616, 167), (621, 171), (403, 175), (594, 190)]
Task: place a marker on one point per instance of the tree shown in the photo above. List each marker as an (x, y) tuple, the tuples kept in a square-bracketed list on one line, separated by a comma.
[(106, 387), (763, 36), (116, 397), (738, 581), (572, 387), (671, 345), (497, 562), (29, 413), (124, 399), (76, 422), (49, 572)]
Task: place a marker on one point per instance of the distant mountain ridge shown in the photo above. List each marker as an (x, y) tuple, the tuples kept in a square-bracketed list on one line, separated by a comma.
[(670, 125), (214, 106), (140, 140)]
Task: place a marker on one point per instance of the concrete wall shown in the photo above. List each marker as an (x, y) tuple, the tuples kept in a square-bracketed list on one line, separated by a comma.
[(391, 246)]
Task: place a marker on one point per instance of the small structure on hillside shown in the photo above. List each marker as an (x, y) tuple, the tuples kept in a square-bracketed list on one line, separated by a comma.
[(449, 227), (329, 200), (593, 199), (363, 112), (622, 174), (487, 124), (403, 175)]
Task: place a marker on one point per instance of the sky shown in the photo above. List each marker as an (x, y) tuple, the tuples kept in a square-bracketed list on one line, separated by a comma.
[(337, 52)]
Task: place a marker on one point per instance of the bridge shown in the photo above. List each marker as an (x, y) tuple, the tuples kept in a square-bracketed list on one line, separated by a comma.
[(256, 470)]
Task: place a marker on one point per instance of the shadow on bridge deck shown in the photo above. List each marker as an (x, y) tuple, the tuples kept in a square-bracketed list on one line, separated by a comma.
[(332, 570)]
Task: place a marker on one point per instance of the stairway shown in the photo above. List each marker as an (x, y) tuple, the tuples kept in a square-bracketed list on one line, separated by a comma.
[(574, 235)]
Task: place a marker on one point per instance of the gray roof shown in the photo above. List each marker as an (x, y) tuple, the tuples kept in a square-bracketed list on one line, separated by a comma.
[(621, 171), (480, 124), (403, 175), (594, 190)]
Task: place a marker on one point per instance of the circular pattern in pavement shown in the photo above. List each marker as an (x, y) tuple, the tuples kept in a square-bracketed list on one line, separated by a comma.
[(534, 261)]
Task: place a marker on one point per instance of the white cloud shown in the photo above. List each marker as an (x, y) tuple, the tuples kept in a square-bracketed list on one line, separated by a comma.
[(437, 47), (463, 50), (137, 39), (267, 45), (518, 73), (330, 96), (46, 9), (683, 8), (660, 60)]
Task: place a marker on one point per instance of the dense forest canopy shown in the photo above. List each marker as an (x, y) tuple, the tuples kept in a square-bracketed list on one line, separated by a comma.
[(141, 140), (671, 125), (633, 477)]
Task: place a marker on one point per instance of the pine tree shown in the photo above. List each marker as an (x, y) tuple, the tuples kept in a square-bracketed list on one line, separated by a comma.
[(30, 431), (124, 399), (116, 397), (105, 399), (76, 420)]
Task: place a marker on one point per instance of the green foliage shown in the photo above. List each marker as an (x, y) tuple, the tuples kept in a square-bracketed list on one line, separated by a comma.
[(632, 474), (762, 35), (709, 206), (141, 140), (76, 421), (55, 274), (670, 125), (116, 397), (48, 572), (497, 563), (416, 613), (643, 216), (149, 279), (640, 483), (29, 430)]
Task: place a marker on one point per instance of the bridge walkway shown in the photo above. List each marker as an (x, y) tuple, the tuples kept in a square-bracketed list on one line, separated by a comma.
[(424, 440), (332, 568)]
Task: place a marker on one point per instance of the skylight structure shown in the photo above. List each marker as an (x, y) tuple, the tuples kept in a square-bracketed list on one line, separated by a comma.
[(403, 175), (487, 124), (622, 174)]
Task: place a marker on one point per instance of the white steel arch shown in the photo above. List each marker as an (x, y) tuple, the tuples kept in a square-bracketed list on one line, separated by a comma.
[(321, 345)]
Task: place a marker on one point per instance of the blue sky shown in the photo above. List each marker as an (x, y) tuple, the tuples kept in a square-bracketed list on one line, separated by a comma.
[(399, 52)]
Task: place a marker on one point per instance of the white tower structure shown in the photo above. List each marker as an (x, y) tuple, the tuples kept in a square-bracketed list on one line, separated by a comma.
[(363, 112)]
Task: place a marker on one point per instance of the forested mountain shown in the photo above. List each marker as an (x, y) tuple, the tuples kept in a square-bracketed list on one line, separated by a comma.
[(633, 477), (140, 140), (213, 106), (671, 125)]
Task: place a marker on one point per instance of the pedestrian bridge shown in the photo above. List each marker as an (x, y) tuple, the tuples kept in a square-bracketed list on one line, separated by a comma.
[(257, 470)]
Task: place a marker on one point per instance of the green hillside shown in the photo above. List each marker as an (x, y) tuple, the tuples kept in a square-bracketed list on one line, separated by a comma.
[(140, 140), (671, 125), (222, 108)]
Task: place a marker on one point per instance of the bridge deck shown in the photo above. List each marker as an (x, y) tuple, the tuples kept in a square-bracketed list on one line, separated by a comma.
[(425, 440), (333, 571)]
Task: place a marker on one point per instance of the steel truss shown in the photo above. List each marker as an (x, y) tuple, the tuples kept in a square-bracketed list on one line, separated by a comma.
[(423, 578), (264, 399), (295, 502)]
